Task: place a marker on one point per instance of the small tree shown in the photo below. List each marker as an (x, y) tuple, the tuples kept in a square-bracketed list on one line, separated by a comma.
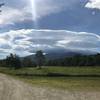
[(40, 59)]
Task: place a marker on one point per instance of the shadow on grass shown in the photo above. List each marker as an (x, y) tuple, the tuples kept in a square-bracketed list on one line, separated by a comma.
[(56, 75)]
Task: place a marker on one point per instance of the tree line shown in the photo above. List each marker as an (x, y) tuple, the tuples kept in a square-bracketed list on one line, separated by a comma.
[(15, 62), (77, 60)]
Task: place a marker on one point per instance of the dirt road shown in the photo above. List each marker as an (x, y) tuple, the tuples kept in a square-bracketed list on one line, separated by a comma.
[(12, 89)]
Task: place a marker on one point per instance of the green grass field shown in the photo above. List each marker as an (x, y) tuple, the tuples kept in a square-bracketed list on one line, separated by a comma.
[(79, 78)]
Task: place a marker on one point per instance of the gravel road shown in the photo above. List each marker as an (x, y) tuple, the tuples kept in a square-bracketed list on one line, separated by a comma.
[(12, 89)]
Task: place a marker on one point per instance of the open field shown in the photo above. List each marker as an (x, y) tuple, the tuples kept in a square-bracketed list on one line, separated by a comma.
[(72, 78), (53, 70), (14, 89), (50, 83)]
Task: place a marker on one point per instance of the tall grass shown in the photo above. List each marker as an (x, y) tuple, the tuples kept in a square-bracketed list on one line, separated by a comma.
[(53, 77)]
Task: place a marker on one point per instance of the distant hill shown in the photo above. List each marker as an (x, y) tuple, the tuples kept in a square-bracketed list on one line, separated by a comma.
[(62, 54)]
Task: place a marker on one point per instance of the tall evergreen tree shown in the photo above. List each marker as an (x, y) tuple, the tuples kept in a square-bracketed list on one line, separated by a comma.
[(13, 61)]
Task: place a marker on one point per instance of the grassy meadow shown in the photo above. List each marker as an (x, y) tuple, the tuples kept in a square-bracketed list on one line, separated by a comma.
[(75, 78)]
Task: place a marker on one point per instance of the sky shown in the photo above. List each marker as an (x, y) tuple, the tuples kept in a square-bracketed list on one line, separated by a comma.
[(49, 25)]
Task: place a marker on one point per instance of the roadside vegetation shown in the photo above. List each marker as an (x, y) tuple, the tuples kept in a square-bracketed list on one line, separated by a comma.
[(53, 77)]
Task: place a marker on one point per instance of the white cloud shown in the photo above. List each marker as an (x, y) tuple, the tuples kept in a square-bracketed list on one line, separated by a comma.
[(23, 11), (26, 42), (12, 15), (94, 4)]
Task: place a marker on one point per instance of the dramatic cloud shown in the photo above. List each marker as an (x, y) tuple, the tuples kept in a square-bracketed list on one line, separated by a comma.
[(19, 18), (12, 15), (94, 4), (22, 10), (26, 42)]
